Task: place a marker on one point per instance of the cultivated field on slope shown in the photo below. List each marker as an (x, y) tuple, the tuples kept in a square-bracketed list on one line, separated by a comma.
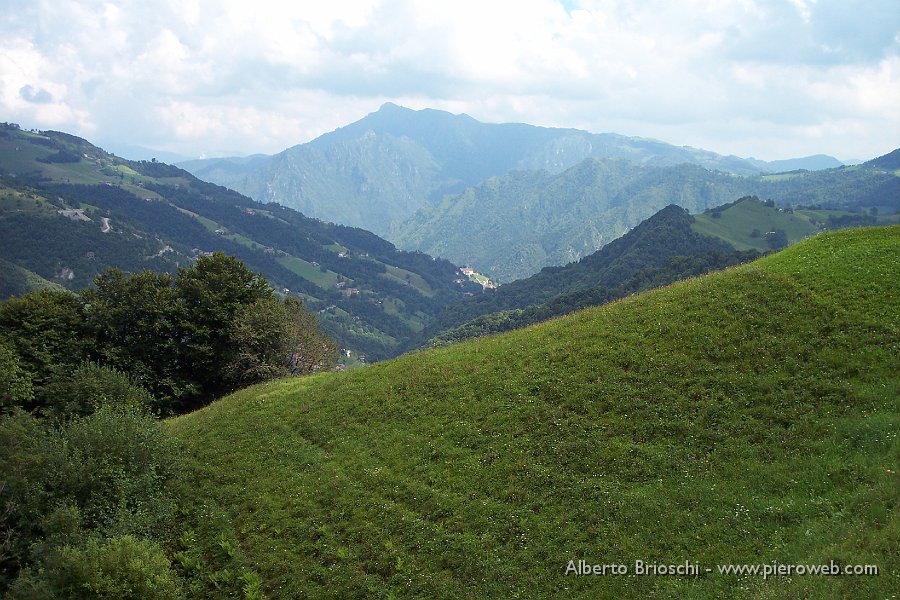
[(747, 416)]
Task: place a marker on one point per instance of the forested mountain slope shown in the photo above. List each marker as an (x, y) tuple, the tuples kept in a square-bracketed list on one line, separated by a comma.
[(69, 210), (510, 227)]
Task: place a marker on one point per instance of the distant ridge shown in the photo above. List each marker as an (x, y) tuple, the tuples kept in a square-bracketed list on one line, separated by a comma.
[(669, 246), (384, 167), (816, 162), (510, 227)]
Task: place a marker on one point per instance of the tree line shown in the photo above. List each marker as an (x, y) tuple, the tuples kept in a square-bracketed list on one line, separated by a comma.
[(186, 338)]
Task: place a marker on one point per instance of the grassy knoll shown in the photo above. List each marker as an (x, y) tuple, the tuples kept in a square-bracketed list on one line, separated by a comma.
[(408, 278), (737, 223), (309, 271), (747, 416)]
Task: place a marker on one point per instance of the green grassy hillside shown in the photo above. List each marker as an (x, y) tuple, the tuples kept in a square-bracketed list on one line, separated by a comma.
[(748, 223), (16, 281), (744, 224), (747, 416)]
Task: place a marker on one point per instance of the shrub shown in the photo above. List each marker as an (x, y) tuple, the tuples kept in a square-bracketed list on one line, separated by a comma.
[(15, 382), (89, 386), (117, 568), (107, 474), (114, 465)]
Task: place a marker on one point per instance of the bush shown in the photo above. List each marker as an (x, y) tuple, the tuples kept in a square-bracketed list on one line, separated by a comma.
[(117, 568), (15, 382), (114, 466), (89, 386), (107, 474)]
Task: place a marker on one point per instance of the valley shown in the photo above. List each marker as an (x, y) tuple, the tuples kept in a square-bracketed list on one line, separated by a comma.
[(146, 215), (450, 300), (682, 378)]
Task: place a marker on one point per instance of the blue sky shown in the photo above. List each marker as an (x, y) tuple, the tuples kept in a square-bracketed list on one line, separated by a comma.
[(765, 78)]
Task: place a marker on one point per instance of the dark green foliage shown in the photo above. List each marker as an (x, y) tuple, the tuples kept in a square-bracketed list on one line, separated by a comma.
[(639, 259), (62, 156), (123, 568), (107, 474), (214, 327), (137, 324), (20, 465), (82, 391), (211, 293), (167, 344), (15, 382), (776, 239), (856, 220), (156, 169), (48, 331)]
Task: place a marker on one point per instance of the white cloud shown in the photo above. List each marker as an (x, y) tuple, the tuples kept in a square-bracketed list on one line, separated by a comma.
[(757, 77)]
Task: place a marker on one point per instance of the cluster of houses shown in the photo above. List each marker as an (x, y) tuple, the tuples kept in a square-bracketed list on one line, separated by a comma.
[(473, 275), (347, 291)]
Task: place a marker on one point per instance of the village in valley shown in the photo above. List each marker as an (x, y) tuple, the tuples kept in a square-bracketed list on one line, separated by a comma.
[(477, 277)]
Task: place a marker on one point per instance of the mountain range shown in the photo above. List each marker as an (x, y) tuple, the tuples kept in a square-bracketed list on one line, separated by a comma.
[(742, 416), (68, 210), (510, 227), (376, 172), (509, 199), (669, 246)]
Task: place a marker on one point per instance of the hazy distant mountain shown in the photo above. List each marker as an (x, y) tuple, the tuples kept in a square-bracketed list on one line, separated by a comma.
[(510, 227), (816, 162), (381, 169), (224, 171)]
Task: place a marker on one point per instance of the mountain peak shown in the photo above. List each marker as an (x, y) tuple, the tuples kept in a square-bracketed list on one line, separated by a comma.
[(391, 108)]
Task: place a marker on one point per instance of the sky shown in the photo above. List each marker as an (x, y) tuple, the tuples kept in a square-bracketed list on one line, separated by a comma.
[(770, 79)]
